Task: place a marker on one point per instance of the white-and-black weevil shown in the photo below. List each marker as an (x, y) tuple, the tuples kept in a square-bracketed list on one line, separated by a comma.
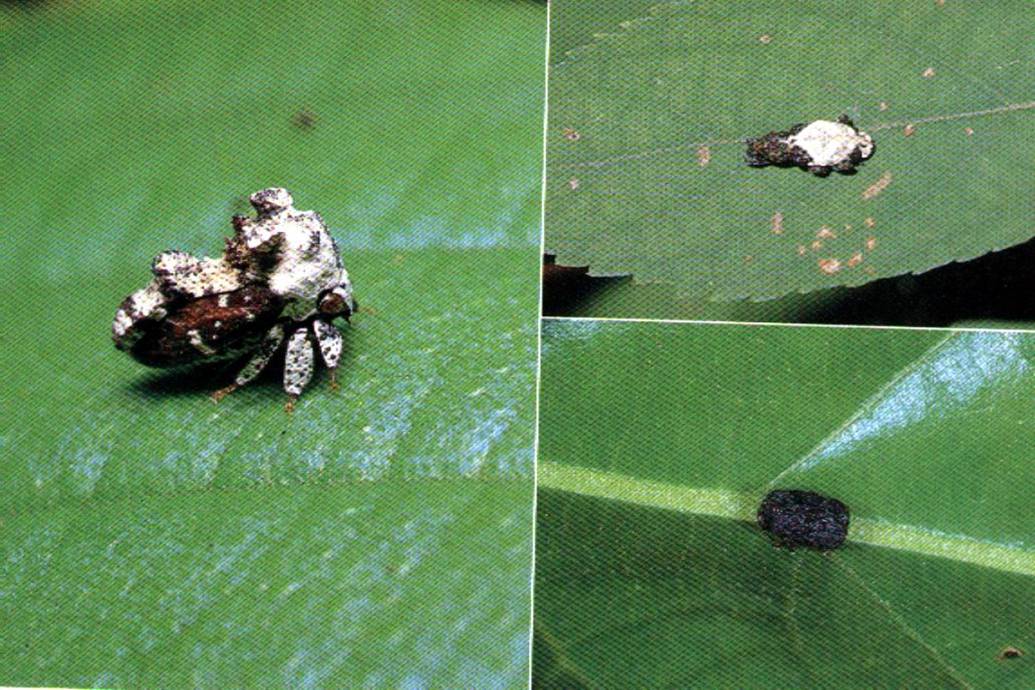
[(281, 278), (819, 147)]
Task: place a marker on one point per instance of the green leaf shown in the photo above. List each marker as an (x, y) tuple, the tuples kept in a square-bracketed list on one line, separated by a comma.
[(650, 571), (379, 536), (574, 24), (646, 171)]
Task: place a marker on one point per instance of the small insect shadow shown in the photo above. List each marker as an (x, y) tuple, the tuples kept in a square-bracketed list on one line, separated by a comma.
[(197, 380)]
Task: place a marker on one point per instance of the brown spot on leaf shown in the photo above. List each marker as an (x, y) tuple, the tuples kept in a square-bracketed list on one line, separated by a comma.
[(765, 38), (573, 183), (777, 223), (825, 233), (877, 187), (571, 135), (304, 119), (871, 243), (883, 106), (969, 131), (869, 222), (870, 270), (801, 250), (704, 156), (856, 259), (927, 73), (829, 266), (748, 259), (1010, 653), (817, 245), (908, 130)]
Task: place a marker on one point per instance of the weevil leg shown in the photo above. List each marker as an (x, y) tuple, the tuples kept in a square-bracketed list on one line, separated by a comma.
[(330, 341), (223, 392), (254, 366), (298, 364)]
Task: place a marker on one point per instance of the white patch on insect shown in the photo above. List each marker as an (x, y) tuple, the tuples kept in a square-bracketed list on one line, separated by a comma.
[(224, 300), (831, 143), (142, 304), (308, 259), (123, 322), (199, 344), (183, 273)]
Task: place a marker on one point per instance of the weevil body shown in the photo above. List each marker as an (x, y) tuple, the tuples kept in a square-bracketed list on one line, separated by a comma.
[(280, 279), (819, 147)]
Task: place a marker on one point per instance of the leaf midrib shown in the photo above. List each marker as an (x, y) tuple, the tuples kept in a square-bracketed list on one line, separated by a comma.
[(734, 505)]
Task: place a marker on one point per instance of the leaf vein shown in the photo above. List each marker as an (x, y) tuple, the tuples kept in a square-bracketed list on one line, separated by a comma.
[(897, 124), (735, 505)]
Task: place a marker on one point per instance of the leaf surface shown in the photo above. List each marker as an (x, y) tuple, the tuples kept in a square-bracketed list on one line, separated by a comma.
[(651, 572), (646, 171), (574, 24)]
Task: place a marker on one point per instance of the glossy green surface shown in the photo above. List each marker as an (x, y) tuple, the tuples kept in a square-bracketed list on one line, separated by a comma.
[(657, 442), (574, 24), (632, 193), (380, 535)]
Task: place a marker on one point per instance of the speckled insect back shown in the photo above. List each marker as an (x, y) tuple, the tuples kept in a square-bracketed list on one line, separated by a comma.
[(281, 278), (819, 147), (796, 518)]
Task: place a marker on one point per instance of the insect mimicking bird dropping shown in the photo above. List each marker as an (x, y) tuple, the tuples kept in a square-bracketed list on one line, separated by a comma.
[(819, 147), (280, 279), (796, 518)]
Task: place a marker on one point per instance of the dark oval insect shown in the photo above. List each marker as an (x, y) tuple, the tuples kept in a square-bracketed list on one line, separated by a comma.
[(794, 518)]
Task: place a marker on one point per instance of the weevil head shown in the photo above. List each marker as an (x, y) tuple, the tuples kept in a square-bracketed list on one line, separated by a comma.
[(338, 301)]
